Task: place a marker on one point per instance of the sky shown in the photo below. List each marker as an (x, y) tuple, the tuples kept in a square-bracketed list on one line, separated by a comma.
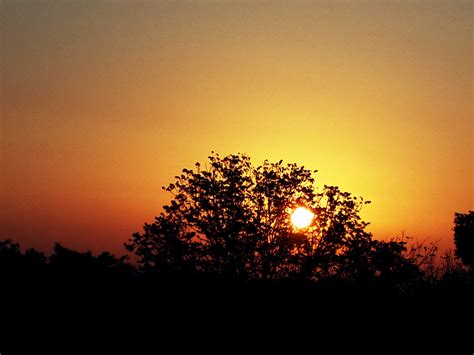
[(104, 102)]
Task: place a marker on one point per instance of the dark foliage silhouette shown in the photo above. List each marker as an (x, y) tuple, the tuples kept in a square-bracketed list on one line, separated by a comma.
[(232, 220), (464, 237), (64, 266)]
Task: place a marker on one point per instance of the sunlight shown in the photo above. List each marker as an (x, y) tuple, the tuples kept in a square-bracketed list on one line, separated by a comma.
[(302, 217)]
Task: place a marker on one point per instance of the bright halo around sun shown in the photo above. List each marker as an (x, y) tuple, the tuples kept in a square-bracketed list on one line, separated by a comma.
[(302, 217)]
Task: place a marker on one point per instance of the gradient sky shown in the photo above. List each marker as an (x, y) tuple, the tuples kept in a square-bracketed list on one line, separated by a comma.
[(102, 103)]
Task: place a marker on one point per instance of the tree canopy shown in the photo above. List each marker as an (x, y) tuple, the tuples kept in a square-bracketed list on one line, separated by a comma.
[(464, 237), (232, 219)]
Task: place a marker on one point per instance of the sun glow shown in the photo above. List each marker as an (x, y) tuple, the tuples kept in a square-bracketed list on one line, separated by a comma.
[(302, 217)]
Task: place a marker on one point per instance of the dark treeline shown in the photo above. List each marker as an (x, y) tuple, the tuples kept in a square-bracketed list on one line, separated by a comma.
[(420, 271), (224, 260), (44, 297)]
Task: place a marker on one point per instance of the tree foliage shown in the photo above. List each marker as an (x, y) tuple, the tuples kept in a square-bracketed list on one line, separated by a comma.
[(464, 237), (232, 219), (63, 264)]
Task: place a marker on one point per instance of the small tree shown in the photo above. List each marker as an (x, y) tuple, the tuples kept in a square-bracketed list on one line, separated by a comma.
[(464, 237)]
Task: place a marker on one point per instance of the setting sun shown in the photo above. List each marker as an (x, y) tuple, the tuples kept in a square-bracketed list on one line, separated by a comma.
[(302, 217)]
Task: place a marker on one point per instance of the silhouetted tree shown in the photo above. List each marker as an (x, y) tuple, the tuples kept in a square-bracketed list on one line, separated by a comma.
[(233, 219), (11, 260), (464, 237), (10, 254), (16, 266), (72, 265), (167, 246)]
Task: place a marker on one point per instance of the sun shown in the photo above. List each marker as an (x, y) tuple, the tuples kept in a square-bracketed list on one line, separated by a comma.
[(302, 217)]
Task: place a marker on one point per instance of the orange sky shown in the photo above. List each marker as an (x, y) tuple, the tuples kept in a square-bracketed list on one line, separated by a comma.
[(102, 103)]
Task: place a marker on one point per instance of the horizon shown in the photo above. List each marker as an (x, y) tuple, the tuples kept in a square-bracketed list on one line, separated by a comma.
[(104, 103)]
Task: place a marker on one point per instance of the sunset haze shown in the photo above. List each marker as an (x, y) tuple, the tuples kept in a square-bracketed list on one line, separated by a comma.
[(103, 103)]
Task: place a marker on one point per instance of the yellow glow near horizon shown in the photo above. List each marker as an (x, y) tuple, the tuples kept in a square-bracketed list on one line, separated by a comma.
[(302, 217)]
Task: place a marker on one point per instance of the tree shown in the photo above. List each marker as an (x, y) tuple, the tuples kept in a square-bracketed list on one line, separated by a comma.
[(18, 266), (464, 237), (232, 219)]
